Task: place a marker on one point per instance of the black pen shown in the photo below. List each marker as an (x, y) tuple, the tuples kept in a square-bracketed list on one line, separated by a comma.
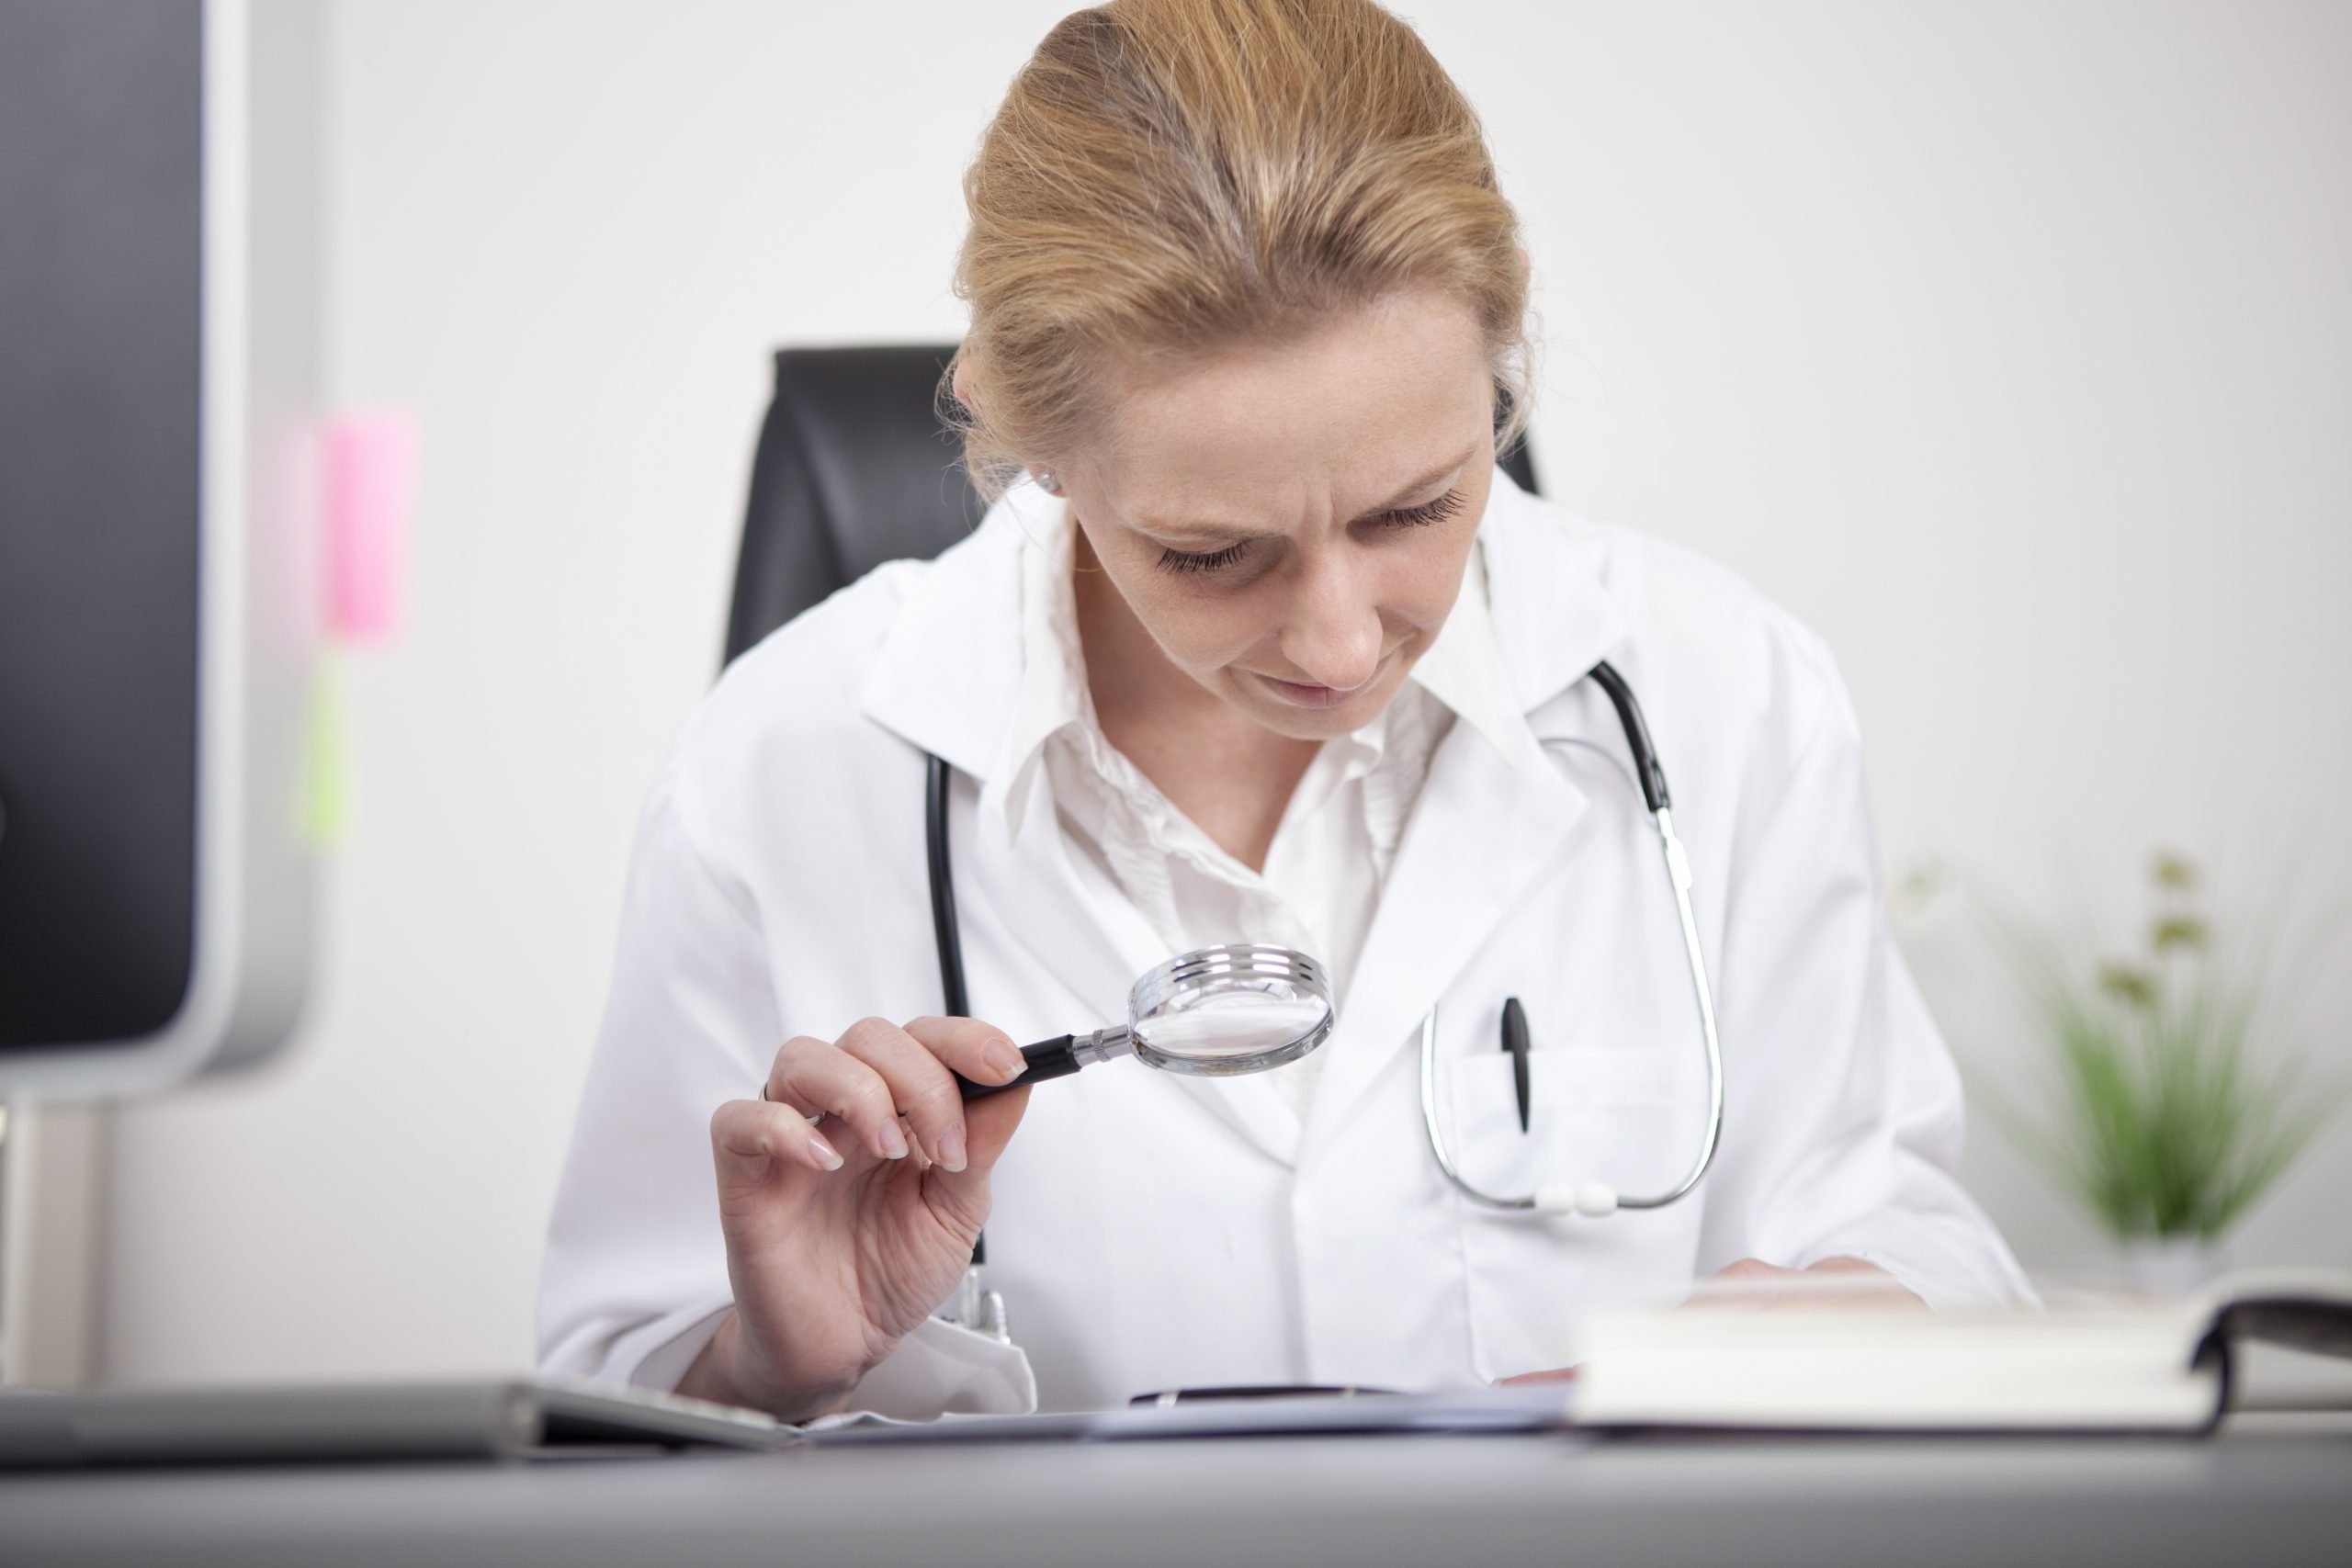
[(1515, 1044), (1165, 1398)]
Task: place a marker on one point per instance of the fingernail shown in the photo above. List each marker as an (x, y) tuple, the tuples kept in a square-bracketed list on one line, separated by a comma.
[(951, 1149), (1007, 1059), (894, 1142), (826, 1156)]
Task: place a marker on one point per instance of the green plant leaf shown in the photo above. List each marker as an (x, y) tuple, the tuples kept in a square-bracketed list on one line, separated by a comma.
[(2170, 1109)]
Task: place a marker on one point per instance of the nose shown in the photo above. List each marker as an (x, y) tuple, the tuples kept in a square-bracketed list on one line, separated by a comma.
[(1332, 634)]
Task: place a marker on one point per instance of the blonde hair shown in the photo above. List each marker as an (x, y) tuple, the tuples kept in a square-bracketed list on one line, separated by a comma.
[(1179, 175)]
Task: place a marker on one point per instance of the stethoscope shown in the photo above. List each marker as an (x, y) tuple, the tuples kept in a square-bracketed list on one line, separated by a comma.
[(1587, 1196), (1252, 972)]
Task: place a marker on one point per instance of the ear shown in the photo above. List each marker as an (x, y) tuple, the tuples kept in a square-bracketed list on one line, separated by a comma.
[(959, 385), (1526, 274)]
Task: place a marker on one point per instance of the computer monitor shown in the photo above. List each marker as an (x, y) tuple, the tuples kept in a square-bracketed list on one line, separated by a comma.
[(160, 229)]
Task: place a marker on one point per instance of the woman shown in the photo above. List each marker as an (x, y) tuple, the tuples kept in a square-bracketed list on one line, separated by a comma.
[(1255, 644)]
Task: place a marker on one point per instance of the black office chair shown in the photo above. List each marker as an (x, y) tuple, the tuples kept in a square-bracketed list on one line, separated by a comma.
[(854, 470)]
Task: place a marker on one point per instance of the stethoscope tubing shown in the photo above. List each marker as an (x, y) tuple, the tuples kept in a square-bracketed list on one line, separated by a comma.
[(944, 935), (1592, 1197)]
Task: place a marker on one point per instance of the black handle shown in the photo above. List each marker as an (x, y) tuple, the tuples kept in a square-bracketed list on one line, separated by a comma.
[(1046, 1059)]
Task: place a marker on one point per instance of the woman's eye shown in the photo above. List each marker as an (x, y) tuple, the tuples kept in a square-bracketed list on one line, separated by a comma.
[(1180, 561), (1436, 510)]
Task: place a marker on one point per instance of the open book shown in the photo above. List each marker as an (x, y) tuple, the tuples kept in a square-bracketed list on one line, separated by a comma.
[(2105, 1365)]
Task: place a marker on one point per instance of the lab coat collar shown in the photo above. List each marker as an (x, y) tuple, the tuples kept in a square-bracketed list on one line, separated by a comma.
[(950, 664), (1551, 610), (1053, 693), (1461, 668)]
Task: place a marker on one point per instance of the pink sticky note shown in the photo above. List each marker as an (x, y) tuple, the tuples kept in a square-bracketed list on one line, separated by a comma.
[(371, 487)]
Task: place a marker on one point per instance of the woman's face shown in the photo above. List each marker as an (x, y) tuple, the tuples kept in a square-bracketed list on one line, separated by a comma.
[(1290, 523)]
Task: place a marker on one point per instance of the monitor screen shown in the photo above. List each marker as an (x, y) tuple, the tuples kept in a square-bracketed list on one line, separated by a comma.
[(158, 322), (101, 175)]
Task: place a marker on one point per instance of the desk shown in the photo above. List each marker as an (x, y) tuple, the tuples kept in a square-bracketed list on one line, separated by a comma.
[(2262, 1495)]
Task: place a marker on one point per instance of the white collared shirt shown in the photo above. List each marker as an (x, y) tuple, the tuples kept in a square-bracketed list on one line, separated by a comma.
[(1337, 835)]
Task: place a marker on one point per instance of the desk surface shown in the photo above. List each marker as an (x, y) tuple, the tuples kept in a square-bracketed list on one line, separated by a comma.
[(2255, 1496)]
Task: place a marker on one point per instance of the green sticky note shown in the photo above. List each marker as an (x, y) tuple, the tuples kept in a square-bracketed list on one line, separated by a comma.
[(326, 772)]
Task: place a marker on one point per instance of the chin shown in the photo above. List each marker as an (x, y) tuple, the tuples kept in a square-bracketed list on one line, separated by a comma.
[(1328, 725)]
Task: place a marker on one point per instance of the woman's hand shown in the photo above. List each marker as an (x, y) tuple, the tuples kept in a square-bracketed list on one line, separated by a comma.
[(842, 1236)]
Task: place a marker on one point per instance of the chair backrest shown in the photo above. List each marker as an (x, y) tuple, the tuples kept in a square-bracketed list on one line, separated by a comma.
[(853, 470)]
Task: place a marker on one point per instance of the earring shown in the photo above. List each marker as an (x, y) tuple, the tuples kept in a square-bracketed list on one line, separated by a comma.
[(1045, 482)]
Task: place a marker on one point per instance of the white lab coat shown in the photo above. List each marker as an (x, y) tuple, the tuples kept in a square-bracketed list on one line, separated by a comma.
[(1151, 1231)]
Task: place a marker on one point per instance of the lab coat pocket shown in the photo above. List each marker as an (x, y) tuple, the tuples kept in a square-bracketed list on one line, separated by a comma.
[(1628, 1116)]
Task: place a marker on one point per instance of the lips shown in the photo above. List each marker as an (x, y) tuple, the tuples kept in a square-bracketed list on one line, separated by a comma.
[(1305, 695), (1298, 695)]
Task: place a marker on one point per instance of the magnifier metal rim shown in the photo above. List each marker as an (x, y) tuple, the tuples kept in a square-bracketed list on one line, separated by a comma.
[(1237, 961)]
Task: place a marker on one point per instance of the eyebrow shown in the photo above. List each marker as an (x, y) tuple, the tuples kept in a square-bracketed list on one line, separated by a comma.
[(1210, 531)]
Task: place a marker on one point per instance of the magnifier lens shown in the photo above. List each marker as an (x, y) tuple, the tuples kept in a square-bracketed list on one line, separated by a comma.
[(1227, 1011)]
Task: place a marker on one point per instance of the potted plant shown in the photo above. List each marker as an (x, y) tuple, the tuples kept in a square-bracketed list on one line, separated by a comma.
[(2171, 1105)]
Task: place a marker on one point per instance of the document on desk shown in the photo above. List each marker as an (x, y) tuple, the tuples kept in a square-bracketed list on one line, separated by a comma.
[(1539, 1409), (2087, 1364)]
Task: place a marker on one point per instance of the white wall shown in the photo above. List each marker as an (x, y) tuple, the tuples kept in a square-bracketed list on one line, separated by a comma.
[(2008, 343)]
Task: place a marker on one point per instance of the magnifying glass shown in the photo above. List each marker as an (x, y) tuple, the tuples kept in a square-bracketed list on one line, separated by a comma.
[(1219, 1012)]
